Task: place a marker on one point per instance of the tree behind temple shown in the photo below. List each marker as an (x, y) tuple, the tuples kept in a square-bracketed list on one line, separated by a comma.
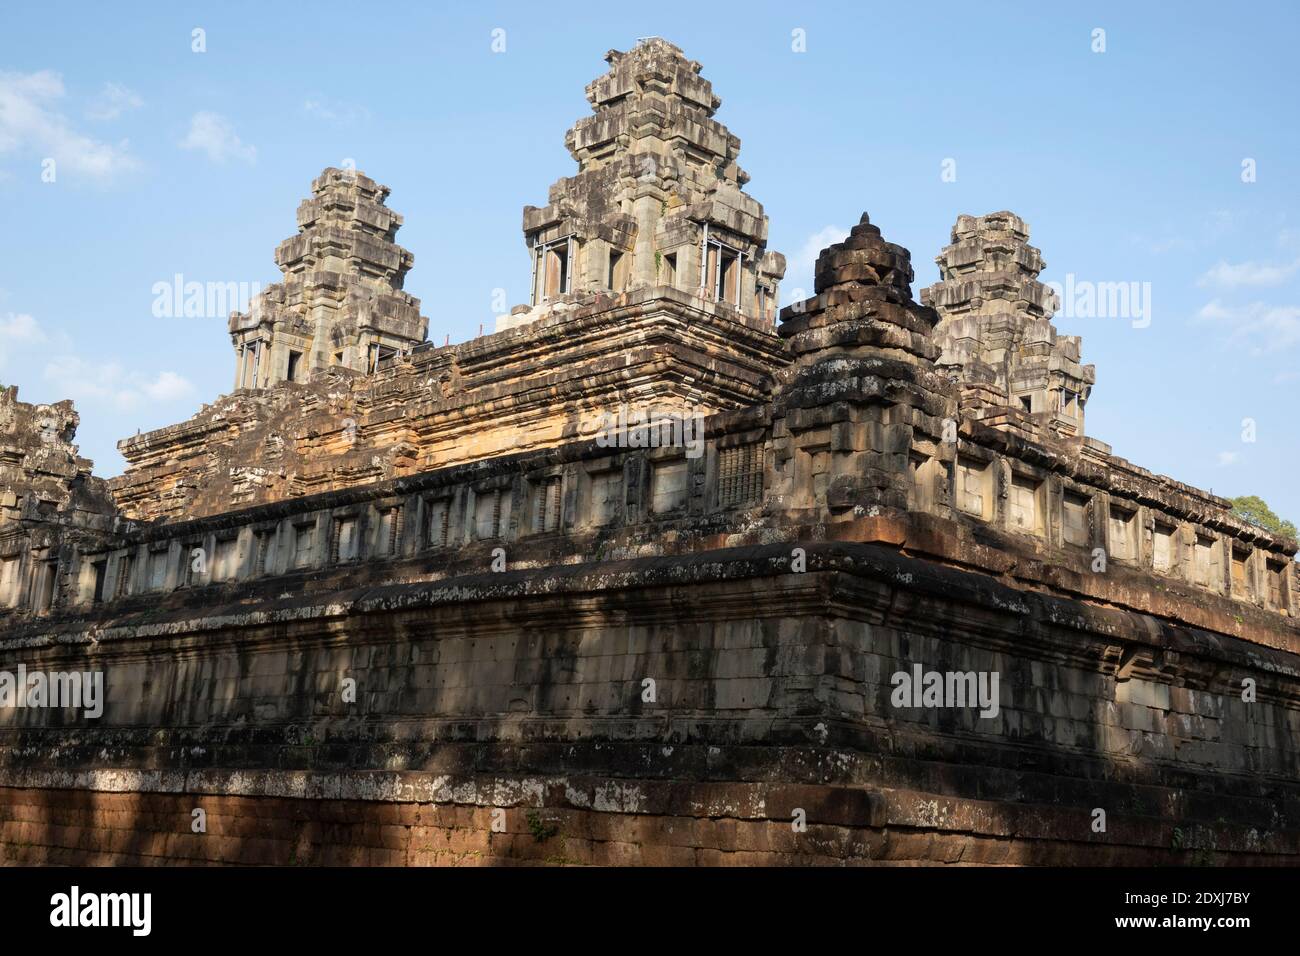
[(1254, 509)]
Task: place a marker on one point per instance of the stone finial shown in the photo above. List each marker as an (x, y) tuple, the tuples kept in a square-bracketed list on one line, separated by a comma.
[(864, 257), (864, 298), (864, 377)]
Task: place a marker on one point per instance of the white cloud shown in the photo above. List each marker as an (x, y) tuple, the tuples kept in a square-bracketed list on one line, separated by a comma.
[(1223, 219), (1227, 458), (20, 328), (1261, 326), (1232, 276), (806, 257), (801, 264), (168, 387), (104, 387), (213, 134), (108, 383), (333, 111), (16, 331), (113, 100), (29, 124)]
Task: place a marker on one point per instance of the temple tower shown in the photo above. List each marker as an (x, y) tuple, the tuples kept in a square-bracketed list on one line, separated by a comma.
[(995, 331), (341, 301), (657, 201)]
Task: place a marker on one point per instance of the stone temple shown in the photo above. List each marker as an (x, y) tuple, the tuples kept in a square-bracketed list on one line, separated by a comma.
[(394, 603)]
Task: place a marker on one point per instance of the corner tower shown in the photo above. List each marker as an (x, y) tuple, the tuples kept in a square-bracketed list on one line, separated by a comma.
[(341, 300), (995, 331)]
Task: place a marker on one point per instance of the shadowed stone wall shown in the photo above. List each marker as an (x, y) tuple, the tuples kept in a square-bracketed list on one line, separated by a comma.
[(524, 692)]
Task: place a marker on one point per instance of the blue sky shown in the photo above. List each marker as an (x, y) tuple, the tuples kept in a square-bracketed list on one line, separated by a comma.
[(1126, 163)]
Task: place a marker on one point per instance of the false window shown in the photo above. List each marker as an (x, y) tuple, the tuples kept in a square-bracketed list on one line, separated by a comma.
[(1240, 576), (740, 474), (45, 592), (390, 530), (606, 495), (487, 514), (972, 493), (158, 569), (617, 270), (1123, 534), (922, 482), (195, 562), (1205, 565), (343, 540), (8, 582), (546, 504), (668, 486), (224, 559), (263, 552), (670, 270), (304, 541), (1277, 585), (1162, 547), (99, 568), (1074, 519), (1023, 506), (436, 522)]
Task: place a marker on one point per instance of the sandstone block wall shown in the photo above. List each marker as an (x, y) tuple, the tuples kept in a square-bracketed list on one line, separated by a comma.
[(772, 694)]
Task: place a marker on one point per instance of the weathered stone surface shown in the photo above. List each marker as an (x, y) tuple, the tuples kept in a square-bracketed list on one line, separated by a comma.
[(341, 302), (658, 200), (995, 332), (51, 506), (449, 531)]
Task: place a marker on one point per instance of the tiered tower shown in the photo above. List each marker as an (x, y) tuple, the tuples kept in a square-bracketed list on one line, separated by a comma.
[(341, 300), (995, 329), (657, 200)]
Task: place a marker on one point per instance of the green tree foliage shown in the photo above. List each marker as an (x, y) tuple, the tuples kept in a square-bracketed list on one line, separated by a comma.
[(1255, 510)]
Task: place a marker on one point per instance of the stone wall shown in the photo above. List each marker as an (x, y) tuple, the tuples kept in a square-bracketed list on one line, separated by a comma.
[(772, 694), (514, 391)]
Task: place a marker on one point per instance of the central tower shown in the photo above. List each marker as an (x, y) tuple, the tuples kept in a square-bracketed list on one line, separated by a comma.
[(657, 201)]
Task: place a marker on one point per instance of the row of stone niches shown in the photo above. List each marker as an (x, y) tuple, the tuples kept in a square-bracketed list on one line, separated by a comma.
[(583, 496), (1067, 515), (708, 265)]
